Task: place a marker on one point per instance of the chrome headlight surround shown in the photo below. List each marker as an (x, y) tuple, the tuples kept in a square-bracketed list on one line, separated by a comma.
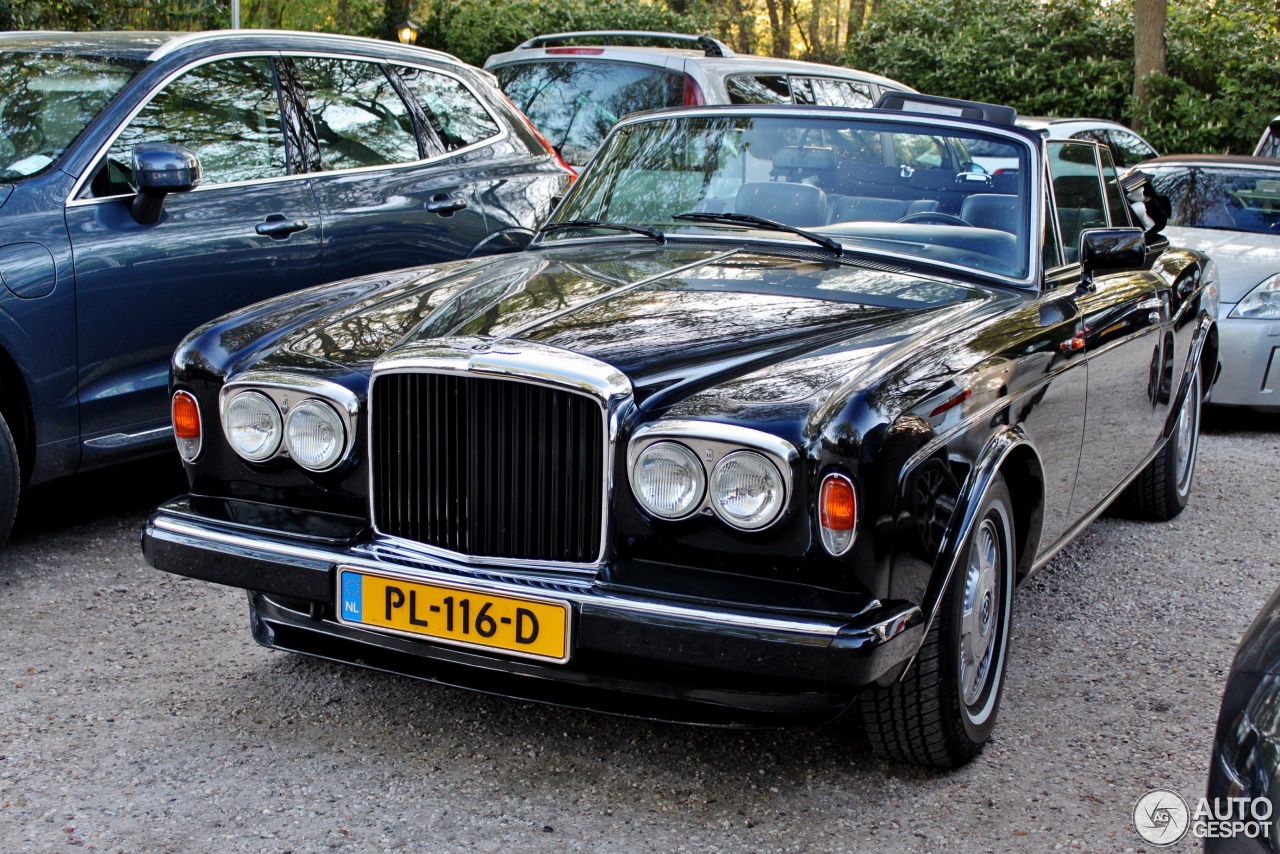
[(712, 444), (677, 457), (288, 392)]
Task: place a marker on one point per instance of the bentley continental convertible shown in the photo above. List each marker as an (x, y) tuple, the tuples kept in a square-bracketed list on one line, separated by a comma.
[(765, 426)]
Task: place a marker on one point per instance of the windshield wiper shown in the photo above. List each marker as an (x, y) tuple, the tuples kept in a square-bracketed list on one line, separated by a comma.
[(762, 222), (616, 226)]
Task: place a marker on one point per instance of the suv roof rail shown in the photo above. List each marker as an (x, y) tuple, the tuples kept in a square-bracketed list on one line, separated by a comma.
[(709, 46), (913, 102), (181, 40)]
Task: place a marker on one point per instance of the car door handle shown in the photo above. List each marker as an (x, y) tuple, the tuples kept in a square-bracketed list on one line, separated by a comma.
[(279, 229), (445, 204)]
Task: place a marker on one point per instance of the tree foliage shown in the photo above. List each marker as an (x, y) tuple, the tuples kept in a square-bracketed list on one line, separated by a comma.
[(1045, 57), (1075, 58), (472, 30)]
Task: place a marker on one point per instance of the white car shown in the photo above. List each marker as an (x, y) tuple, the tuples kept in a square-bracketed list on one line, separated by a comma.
[(1228, 207), (1126, 147), (576, 86)]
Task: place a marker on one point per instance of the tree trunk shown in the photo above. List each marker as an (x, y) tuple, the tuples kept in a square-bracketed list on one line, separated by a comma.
[(815, 27), (775, 29), (857, 14), (785, 32), (1149, 21), (395, 13)]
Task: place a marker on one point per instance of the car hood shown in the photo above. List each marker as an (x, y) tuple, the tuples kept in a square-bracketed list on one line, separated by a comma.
[(1243, 259), (674, 320)]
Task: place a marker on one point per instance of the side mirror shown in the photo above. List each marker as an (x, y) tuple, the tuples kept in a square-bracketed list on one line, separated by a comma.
[(158, 170), (1103, 249)]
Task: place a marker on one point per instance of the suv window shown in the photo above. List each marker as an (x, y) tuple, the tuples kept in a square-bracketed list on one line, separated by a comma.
[(359, 117), (575, 104), (1077, 192), (1129, 148), (829, 92), (758, 89), (226, 112), (919, 151), (1269, 145), (457, 118)]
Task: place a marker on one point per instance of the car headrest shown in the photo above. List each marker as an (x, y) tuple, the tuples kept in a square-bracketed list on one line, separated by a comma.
[(801, 205), (808, 158), (991, 210)]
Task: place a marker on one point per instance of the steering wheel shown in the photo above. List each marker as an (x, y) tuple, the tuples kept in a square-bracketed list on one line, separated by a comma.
[(936, 218)]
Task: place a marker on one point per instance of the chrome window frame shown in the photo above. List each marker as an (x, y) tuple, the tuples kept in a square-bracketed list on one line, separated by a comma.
[(277, 386), (520, 361), (1032, 252), (73, 199)]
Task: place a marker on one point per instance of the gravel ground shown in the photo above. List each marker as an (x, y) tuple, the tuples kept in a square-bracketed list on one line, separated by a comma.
[(137, 715)]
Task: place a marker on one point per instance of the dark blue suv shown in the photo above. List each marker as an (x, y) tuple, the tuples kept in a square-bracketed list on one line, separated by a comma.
[(152, 182)]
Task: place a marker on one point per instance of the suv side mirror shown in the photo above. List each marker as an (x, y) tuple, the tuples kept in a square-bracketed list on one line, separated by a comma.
[(159, 169), (1103, 249)]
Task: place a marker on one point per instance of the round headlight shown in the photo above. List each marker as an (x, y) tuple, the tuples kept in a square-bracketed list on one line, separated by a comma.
[(252, 425), (314, 435), (746, 490), (668, 480)]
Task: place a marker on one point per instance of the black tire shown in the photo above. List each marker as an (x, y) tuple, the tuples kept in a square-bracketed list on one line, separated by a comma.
[(1162, 488), (939, 715), (10, 481)]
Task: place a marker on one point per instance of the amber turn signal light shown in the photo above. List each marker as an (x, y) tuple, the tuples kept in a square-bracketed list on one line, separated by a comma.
[(186, 424), (837, 513)]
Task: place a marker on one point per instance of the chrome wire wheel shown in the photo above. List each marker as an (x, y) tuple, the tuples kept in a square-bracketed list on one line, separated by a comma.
[(1187, 434), (980, 611)]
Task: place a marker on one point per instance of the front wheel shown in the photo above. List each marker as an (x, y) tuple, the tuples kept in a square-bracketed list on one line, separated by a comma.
[(942, 712), (1161, 490), (10, 481)]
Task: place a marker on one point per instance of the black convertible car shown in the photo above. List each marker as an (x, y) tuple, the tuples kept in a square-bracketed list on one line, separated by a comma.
[(765, 426)]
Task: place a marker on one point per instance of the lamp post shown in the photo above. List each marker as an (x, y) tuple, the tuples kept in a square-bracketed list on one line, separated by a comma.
[(235, 14), (407, 32)]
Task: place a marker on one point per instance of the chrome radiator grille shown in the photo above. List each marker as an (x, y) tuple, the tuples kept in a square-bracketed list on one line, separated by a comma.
[(488, 467)]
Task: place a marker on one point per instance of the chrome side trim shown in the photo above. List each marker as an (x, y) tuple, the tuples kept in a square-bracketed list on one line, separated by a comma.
[(522, 361), (502, 134), (711, 441), (124, 440), (286, 390), (580, 593)]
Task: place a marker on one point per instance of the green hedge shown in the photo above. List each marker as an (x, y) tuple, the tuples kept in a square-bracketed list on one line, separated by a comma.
[(1075, 58), (472, 30)]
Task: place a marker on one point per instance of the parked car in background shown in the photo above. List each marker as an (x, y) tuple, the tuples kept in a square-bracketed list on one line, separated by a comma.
[(576, 86), (1228, 207), (1126, 147), (760, 428), (151, 182), (1269, 143), (1245, 762)]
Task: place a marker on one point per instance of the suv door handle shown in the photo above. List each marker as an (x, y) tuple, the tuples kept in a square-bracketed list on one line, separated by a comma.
[(445, 204), (278, 228)]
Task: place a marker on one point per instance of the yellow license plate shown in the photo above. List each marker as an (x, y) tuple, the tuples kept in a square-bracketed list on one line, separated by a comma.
[(528, 627)]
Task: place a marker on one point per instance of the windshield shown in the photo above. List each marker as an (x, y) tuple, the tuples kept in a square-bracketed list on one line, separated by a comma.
[(1228, 199), (46, 99), (874, 186)]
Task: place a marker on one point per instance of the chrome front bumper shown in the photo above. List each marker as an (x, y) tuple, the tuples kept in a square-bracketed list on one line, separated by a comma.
[(633, 640)]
